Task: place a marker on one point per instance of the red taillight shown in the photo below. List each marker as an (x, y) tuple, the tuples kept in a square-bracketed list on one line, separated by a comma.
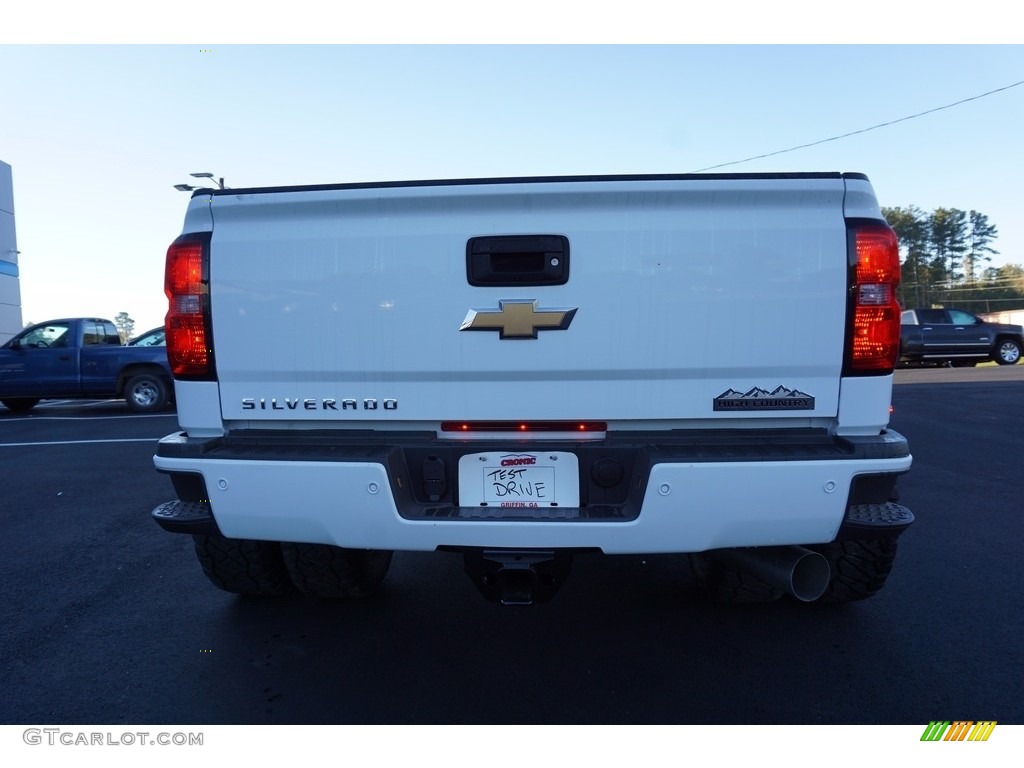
[(875, 333), (187, 321)]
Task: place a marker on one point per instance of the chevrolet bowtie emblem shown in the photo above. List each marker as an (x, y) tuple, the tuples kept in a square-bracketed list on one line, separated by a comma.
[(517, 319)]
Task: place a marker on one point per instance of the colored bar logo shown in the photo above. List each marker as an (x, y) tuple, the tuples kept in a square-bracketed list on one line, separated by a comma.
[(959, 730)]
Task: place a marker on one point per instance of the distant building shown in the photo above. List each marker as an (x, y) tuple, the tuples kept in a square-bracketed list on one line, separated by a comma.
[(10, 286), (1008, 316)]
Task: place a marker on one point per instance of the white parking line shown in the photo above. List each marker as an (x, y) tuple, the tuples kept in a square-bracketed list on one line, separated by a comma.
[(102, 418), (77, 403), (84, 442)]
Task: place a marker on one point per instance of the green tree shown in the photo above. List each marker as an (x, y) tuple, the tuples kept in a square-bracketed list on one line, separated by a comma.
[(948, 236), (980, 233), (125, 326), (999, 288), (911, 227), (1005, 282), (944, 255)]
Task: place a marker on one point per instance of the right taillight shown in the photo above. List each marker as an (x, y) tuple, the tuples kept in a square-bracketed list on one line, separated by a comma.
[(187, 325), (873, 336)]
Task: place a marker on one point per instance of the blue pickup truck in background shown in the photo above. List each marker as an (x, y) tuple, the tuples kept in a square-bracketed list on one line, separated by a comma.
[(79, 358), (957, 338)]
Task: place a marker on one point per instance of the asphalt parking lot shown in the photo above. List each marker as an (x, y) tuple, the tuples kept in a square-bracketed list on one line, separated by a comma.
[(109, 620)]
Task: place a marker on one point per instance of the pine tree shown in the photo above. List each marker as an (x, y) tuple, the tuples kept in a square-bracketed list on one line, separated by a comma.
[(980, 233), (948, 236), (125, 326)]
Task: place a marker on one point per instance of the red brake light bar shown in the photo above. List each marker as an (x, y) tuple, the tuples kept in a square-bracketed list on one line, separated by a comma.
[(524, 426)]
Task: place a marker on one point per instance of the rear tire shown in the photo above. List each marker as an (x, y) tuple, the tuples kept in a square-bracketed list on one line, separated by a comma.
[(1007, 352), (146, 393), (859, 568), (321, 570), (20, 404), (722, 584), (243, 566)]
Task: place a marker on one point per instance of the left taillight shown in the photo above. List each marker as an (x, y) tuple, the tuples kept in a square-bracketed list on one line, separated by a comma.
[(188, 328), (873, 334)]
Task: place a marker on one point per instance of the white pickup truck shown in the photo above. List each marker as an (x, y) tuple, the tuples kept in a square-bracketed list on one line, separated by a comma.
[(518, 370)]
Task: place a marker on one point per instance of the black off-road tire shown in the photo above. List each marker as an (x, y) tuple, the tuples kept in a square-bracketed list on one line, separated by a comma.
[(859, 568), (20, 404), (723, 584), (147, 392), (243, 566), (321, 570)]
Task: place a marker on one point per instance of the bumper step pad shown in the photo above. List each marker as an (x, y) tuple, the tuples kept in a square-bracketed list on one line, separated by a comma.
[(185, 517), (875, 521)]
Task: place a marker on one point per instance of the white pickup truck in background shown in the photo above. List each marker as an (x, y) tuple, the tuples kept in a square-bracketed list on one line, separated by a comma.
[(518, 370)]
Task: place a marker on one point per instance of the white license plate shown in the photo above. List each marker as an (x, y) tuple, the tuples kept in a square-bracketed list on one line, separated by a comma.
[(536, 479)]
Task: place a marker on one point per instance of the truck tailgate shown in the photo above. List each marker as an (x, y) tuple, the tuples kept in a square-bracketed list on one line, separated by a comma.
[(685, 299)]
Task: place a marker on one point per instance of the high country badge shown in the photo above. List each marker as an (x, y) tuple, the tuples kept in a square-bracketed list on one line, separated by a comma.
[(779, 399)]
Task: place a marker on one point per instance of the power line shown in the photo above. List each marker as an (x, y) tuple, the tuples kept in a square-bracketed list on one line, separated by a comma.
[(863, 130)]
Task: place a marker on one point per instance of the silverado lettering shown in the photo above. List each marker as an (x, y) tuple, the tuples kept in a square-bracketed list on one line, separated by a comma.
[(313, 404)]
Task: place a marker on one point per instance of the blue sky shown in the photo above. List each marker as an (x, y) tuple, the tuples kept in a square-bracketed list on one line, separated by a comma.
[(98, 135)]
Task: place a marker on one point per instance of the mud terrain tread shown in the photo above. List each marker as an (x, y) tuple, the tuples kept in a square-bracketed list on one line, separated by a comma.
[(242, 566), (859, 568), (725, 585), (321, 570)]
